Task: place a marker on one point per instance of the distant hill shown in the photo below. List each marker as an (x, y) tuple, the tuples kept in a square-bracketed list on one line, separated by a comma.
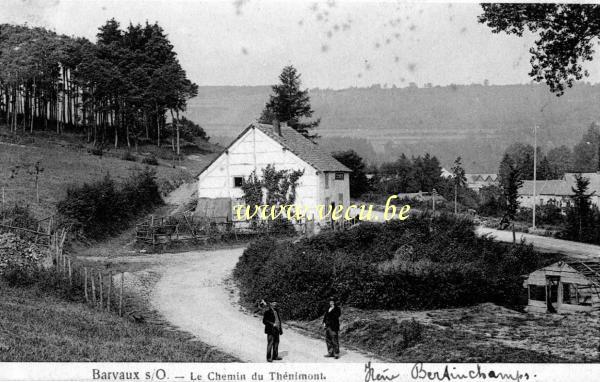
[(474, 121)]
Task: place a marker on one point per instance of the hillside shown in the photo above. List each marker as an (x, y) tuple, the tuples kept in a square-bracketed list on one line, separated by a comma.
[(67, 161), (474, 121)]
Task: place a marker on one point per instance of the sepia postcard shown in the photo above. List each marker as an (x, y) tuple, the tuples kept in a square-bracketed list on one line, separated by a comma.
[(319, 190)]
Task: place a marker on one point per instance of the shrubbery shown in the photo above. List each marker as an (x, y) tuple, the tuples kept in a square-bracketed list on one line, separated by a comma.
[(128, 156), (150, 160), (103, 208), (421, 263), (18, 216), (18, 256)]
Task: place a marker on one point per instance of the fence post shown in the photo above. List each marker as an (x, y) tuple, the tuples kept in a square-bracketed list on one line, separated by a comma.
[(70, 273), (93, 287), (85, 291), (121, 295), (109, 290), (100, 286)]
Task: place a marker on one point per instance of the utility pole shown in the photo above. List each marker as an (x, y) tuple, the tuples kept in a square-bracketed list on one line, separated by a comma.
[(534, 170), (433, 193)]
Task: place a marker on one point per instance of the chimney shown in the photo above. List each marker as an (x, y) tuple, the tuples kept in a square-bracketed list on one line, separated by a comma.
[(276, 127)]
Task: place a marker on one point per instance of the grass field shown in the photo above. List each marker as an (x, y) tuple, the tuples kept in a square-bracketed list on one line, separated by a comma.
[(37, 326), (482, 333), (65, 163), (40, 325)]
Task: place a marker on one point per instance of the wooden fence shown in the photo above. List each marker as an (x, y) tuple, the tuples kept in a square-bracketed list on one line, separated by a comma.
[(99, 288), (187, 227)]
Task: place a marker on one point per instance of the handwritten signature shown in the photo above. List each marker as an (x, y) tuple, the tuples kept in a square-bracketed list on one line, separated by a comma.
[(372, 375), (418, 371)]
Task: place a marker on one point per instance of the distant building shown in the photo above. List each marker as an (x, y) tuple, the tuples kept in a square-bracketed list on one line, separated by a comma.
[(477, 181), (557, 192), (325, 180)]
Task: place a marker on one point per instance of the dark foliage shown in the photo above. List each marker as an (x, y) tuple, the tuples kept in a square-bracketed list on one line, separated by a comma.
[(104, 208), (566, 37), (409, 175), (583, 219), (358, 179), (18, 216), (421, 263), (128, 156), (289, 103), (150, 160)]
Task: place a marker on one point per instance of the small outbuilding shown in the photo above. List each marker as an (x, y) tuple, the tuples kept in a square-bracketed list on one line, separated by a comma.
[(564, 287)]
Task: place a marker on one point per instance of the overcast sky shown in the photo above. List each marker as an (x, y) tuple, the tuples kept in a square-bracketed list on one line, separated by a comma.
[(333, 43)]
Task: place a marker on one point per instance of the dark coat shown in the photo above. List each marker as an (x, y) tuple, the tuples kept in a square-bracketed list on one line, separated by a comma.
[(269, 321), (332, 319)]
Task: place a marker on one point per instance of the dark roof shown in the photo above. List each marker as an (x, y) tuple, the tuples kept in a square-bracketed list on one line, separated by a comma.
[(306, 150), (292, 140)]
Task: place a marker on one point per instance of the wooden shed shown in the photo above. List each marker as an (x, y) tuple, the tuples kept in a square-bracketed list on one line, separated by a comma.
[(563, 287)]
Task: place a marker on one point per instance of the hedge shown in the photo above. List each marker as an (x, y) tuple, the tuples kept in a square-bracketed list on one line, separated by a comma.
[(421, 263)]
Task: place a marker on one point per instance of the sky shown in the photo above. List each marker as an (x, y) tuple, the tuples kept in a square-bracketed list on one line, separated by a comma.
[(333, 43)]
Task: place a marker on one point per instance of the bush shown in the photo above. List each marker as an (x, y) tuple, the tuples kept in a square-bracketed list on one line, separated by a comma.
[(18, 216), (97, 151), (19, 276), (421, 263), (128, 156), (150, 160), (20, 259), (104, 208)]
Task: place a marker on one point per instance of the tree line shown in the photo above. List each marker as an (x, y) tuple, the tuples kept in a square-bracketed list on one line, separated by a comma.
[(583, 157), (123, 89)]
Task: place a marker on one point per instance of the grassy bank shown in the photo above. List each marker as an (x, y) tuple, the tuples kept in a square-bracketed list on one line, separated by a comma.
[(38, 326), (66, 164), (482, 333)]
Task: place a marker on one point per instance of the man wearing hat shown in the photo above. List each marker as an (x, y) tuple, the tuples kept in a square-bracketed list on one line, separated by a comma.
[(331, 323), (272, 322)]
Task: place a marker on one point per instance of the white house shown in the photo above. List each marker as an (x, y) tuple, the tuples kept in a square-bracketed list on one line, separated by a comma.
[(325, 180), (559, 191)]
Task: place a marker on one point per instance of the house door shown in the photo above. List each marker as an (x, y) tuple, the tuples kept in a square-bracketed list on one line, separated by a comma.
[(552, 293)]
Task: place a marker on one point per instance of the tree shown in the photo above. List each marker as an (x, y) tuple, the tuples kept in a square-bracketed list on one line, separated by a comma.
[(585, 153), (521, 155), (290, 104), (510, 182), (560, 160), (545, 171), (567, 34), (358, 179), (580, 220), (458, 179)]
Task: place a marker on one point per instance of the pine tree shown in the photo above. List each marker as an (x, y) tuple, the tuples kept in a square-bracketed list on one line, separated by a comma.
[(290, 104), (580, 217), (459, 180)]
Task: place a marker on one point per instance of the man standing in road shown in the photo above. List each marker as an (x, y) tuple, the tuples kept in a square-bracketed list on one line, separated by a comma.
[(331, 322), (272, 322)]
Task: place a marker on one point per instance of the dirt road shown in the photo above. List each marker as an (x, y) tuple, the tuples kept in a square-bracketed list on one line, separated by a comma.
[(572, 249), (193, 295)]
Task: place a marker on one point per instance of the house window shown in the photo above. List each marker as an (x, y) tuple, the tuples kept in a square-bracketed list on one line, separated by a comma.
[(326, 181), (537, 292), (339, 176), (238, 181), (341, 198)]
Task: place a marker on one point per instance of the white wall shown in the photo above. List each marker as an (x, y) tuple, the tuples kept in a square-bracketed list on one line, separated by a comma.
[(254, 151)]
